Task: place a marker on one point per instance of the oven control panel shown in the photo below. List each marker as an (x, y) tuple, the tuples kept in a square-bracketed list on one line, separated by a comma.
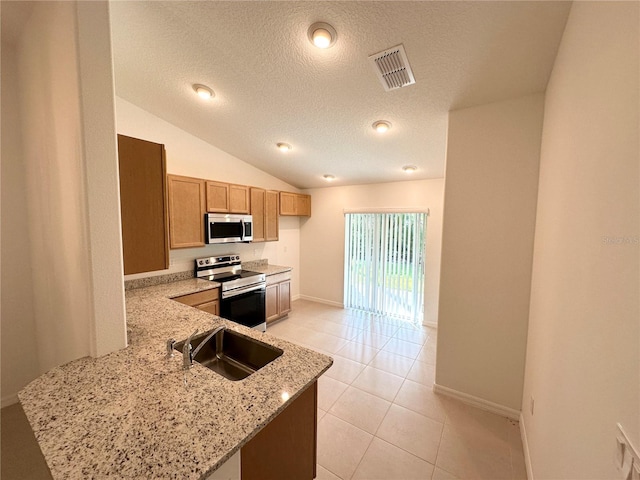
[(218, 261)]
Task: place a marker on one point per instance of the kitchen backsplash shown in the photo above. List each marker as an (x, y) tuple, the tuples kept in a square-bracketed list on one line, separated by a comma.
[(263, 262)]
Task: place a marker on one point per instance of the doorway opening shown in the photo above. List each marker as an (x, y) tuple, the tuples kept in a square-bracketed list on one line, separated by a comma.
[(384, 264)]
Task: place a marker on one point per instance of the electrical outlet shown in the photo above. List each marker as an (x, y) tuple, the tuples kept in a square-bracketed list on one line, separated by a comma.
[(531, 405)]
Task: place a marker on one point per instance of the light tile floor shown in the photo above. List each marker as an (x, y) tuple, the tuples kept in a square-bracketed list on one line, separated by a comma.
[(378, 417)]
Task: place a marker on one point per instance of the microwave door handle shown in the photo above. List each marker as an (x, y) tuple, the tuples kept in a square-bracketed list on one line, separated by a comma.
[(242, 232)]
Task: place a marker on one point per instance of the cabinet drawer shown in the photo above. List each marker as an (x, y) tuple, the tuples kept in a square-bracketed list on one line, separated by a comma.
[(194, 299), (278, 277)]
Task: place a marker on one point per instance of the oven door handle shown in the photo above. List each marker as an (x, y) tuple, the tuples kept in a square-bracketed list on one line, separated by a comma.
[(240, 291)]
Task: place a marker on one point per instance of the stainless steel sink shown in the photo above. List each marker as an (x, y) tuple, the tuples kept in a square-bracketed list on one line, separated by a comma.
[(231, 354)]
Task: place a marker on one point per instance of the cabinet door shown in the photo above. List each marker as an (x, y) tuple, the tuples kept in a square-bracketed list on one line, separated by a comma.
[(287, 203), (143, 205), (239, 199), (258, 213), (286, 447), (272, 306), (284, 296), (217, 197), (303, 205), (210, 307), (186, 211), (271, 216)]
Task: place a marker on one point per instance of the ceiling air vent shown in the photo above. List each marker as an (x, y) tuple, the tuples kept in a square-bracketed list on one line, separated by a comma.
[(392, 68)]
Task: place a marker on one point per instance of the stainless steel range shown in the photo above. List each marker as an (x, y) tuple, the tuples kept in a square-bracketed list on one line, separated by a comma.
[(242, 292)]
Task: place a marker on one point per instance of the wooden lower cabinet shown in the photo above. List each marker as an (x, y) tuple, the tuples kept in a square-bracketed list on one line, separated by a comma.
[(207, 300), (286, 447), (278, 297)]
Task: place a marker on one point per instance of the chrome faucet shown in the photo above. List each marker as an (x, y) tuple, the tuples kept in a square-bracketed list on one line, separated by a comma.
[(188, 353)]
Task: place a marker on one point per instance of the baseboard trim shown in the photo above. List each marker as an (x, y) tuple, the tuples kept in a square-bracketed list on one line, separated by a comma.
[(9, 400), (431, 324), (478, 402), (525, 447), (321, 300)]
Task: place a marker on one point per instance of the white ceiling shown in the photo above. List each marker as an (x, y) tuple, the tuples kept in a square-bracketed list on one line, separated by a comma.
[(273, 86)]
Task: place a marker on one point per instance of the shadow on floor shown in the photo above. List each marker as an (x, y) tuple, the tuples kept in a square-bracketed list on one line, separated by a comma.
[(20, 455)]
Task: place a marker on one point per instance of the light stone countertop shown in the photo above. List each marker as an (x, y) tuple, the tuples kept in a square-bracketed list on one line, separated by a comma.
[(136, 414), (268, 269)]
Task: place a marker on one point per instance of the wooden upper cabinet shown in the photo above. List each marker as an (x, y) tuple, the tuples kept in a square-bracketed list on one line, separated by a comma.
[(264, 209), (227, 198), (186, 211), (258, 214), (295, 204), (143, 205), (271, 216), (239, 199), (303, 205), (217, 197)]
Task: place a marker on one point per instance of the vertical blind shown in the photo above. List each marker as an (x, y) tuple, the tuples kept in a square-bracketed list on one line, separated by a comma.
[(384, 263)]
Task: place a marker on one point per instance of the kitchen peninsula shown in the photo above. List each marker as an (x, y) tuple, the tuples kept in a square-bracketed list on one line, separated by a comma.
[(136, 413)]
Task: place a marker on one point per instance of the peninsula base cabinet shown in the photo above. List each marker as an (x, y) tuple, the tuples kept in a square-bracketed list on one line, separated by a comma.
[(285, 449), (278, 301)]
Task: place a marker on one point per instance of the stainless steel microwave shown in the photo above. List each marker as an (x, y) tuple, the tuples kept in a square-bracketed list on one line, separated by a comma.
[(228, 228)]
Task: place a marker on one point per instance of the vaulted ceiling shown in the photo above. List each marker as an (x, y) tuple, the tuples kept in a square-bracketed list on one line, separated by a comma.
[(272, 85)]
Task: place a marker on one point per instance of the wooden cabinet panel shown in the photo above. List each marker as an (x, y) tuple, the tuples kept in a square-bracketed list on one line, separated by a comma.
[(207, 300), (258, 213), (295, 204), (264, 209), (239, 199), (287, 203), (217, 197), (272, 303), (186, 211), (284, 297), (286, 447), (143, 205), (303, 205), (199, 298), (210, 307), (278, 302), (227, 198), (272, 231)]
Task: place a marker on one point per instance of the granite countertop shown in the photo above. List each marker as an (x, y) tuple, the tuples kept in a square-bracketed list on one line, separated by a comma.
[(136, 414), (268, 269)]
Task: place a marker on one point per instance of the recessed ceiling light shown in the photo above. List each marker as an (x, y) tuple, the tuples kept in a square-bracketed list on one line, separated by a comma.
[(203, 91), (322, 35), (381, 126), (283, 147), (329, 178), (409, 168)]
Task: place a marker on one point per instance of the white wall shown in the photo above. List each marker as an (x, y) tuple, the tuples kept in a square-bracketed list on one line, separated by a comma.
[(487, 246), (583, 363), (65, 172), (188, 155), (322, 235), (17, 312)]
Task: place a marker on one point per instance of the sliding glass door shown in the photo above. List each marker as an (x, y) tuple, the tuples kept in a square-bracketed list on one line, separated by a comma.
[(384, 263)]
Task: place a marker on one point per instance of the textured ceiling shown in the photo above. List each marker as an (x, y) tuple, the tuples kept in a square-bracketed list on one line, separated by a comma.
[(273, 86)]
